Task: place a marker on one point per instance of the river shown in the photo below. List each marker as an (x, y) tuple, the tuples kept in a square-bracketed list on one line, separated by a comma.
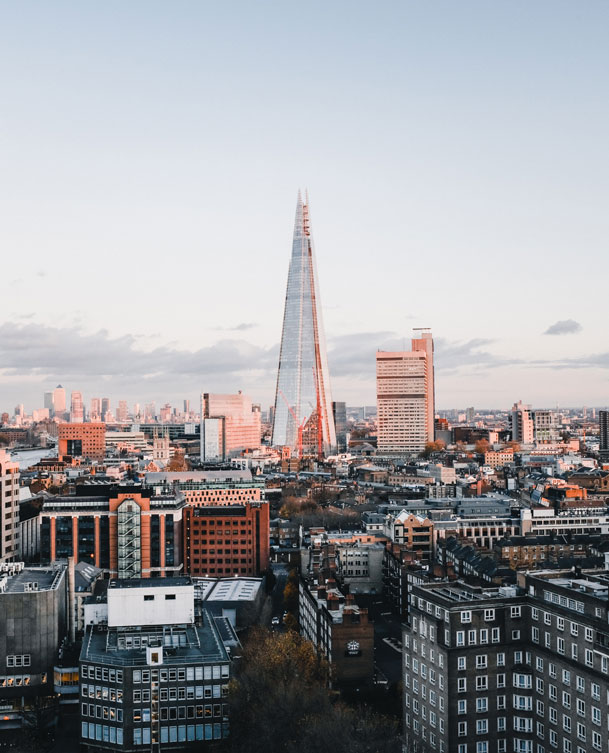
[(28, 458)]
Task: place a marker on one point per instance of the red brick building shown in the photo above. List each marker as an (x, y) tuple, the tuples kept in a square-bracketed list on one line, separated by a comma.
[(226, 540), (87, 440)]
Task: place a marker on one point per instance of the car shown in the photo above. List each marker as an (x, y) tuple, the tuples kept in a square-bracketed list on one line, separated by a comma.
[(275, 621)]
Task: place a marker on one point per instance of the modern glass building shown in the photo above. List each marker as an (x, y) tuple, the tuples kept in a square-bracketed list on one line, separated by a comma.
[(303, 417)]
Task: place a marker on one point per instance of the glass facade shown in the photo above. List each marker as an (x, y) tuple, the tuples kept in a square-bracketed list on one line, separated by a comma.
[(303, 403)]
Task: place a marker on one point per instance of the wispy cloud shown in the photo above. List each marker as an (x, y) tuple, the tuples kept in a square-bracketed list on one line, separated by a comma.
[(564, 327)]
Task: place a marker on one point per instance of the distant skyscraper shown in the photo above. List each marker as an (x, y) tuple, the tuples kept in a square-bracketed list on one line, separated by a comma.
[(186, 406), (470, 414), (339, 411), (405, 397), (105, 407), (229, 424), (48, 402), (603, 425), (122, 412), (59, 401), (77, 411), (303, 402), (95, 411)]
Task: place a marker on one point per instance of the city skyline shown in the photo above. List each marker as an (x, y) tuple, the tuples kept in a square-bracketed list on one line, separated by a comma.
[(458, 179)]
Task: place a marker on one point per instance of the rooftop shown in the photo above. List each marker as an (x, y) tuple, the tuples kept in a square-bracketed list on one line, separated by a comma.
[(30, 579)]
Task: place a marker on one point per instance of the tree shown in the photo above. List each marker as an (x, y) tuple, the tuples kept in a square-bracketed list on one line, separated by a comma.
[(279, 684), (482, 446), (280, 704), (290, 596)]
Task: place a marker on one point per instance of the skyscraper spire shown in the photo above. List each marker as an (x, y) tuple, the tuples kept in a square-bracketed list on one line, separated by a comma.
[(303, 417)]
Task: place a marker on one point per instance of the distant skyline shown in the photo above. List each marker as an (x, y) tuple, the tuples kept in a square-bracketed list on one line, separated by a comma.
[(455, 156)]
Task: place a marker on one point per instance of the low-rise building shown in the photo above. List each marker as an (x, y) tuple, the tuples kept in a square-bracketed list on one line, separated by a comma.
[(339, 629)]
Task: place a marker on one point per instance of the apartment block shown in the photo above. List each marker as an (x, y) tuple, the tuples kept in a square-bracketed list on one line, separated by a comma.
[(9, 508)]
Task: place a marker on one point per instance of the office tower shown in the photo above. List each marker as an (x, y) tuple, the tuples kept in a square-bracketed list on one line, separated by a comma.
[(405, 397), (20, 410), (187, 406), (229, 424), (136, 410), (105, 407), (303, 403), (59, 401), (603, 426), (48, 402), (523, 425), (122, 412), (95, 411), (9, 508), (470, 413), (339, 412), (77, 411), (165, 413)]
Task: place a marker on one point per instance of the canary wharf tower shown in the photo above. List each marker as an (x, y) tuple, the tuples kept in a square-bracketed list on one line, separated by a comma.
[(303, 417)]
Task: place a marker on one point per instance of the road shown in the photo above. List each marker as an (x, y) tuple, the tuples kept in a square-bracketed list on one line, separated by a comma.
[(281, 572), (387, 634)]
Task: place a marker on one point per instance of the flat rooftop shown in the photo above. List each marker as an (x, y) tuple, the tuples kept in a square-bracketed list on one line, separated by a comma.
[(33, 579), (210, 477), (227, 589), (180, 580)]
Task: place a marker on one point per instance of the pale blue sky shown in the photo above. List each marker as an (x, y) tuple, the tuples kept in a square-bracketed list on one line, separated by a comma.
[(457, 163)]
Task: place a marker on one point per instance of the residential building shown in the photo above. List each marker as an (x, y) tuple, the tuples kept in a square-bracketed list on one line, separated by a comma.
[(339, 412), (151, 677), (498, 458), (302, 417), (405, 398), (339, 629), (512, 668), (209, 487), (523, 425), (86, 440), (413, 531), (9, 508)]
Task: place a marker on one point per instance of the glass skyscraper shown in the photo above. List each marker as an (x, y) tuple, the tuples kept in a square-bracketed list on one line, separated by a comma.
[(303, 417)]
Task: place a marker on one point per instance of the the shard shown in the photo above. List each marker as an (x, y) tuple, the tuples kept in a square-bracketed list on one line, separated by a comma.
[(303, 419)]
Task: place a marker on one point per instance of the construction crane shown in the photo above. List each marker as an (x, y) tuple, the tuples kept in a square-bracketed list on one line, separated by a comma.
[(300, 426)]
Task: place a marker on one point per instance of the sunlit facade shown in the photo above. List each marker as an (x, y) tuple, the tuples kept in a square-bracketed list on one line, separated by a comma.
[(303, 417)]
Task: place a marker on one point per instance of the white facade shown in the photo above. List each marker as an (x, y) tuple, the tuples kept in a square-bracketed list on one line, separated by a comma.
[(143, 604)]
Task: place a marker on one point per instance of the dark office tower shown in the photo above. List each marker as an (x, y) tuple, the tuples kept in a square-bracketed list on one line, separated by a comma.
[(105, 407), (603, 425), (303, 417), (339, 411)]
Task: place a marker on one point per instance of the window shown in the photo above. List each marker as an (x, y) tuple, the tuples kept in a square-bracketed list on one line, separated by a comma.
[(461, 663), (482, 682), (466, 616), (489, 615), (515, 611), (461, 707), (148, 597), (481, 726), (481, 705), (481, 661), (170, 597), (460, 638), (462, 729), (501, 660), (461, 685)]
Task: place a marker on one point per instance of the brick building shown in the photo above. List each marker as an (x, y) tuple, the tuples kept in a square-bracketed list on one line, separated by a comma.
[(339, 629), (209, 487), (87, 440), (226, 540)]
